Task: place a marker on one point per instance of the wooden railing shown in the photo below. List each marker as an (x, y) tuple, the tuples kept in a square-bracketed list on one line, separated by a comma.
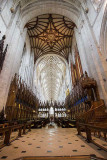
[(92, 122), (91, 114), (90, 128), (4, 125), (65, 123), (7, 130)]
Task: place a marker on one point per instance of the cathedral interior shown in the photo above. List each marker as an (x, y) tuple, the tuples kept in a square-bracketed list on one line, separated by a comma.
[(53, 79)]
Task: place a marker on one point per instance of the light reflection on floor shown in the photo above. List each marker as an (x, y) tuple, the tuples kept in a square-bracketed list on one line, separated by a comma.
[(50, 141)]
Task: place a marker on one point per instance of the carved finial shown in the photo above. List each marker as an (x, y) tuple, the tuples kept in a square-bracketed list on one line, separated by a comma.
[(4, 37), (82, 76), (2, 114)]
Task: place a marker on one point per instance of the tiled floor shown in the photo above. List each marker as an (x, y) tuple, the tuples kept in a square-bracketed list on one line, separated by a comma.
[(99, 141), (50, 142)]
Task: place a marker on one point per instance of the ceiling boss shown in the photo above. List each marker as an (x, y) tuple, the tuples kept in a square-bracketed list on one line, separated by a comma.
[(51, 33)]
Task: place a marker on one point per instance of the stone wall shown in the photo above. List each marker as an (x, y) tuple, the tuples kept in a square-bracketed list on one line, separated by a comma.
[(88, 40), (27, 64), (15, 37)]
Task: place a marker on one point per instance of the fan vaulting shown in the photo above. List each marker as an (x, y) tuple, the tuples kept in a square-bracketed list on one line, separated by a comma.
[(50, 74)]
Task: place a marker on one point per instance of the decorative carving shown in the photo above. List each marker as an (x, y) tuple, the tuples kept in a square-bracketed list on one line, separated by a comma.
[(84, 93), (21, 101), (90, 85), (2, 118), (2, 52)]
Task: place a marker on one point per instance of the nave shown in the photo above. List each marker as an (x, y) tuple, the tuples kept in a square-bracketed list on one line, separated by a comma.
[(51, 141)]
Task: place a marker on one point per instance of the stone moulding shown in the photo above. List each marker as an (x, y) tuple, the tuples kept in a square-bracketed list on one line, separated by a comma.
[(30, 8), (25, 3), (97, 4), (103, 34)]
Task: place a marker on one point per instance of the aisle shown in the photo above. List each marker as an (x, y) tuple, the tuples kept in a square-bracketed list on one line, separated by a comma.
[(50, 141)]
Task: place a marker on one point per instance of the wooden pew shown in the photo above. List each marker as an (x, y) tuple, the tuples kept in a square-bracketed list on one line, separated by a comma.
[(7, 131), (94, 123), (89, 129)]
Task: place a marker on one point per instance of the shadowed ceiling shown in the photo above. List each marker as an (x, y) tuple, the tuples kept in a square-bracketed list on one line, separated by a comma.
[(50, 33)]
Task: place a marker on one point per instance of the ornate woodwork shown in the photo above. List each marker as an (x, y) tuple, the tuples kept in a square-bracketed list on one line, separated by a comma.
[(59, 109), (2, 118), (21, 102), (2, 52), (90, 86), (88, 109), (93, 122), (82, 97), (76, 68)]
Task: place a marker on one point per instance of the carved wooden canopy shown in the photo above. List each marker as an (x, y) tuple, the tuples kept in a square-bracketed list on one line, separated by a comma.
[(50, 33)]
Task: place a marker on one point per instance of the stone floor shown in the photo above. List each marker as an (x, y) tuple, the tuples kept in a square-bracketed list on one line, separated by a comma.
[(50, 141), (98, 140)]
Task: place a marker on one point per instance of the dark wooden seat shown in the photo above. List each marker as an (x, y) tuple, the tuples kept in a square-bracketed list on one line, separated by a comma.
[(94, 121)]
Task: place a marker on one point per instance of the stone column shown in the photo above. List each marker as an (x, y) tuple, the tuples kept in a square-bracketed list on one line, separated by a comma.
[(14, 38)]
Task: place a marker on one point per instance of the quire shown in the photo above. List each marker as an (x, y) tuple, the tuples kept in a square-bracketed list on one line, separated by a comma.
[(53, 79)]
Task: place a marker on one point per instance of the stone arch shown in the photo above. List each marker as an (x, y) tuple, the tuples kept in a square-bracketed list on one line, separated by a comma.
[(103, 34), (33, 9), (70, 9), (42, 57)]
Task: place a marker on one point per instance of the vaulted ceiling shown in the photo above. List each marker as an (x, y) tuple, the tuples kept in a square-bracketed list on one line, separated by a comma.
[(50, 72), (51, 40), (50, 33)]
